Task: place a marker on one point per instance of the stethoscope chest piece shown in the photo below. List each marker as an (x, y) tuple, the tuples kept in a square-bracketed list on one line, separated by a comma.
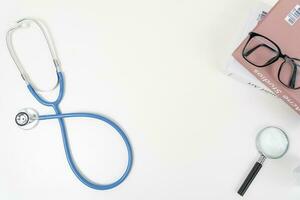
[(27, 118)]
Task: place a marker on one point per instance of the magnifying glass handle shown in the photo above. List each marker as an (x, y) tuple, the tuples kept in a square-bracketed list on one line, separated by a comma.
[(254, 171)]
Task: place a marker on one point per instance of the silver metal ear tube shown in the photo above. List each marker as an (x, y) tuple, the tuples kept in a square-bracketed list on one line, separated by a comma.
[(19, 24)]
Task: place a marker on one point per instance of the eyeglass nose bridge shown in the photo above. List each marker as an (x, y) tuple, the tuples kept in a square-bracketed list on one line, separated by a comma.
[(289, 59), (284, 56)]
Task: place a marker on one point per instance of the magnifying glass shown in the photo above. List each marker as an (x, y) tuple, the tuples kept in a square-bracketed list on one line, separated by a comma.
[(271, 142)]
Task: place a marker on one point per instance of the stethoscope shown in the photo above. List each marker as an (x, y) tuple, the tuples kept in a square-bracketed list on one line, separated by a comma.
[(28, 118), (272, 143)]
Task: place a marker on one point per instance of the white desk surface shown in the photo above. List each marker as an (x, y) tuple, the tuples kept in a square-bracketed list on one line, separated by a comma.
[(155, 68)]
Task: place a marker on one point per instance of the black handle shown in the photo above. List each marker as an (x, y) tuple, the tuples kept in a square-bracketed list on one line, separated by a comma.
[(254, 171)]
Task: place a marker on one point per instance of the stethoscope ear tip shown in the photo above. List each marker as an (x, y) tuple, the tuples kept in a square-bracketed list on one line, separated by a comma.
[(19, 24), (27, 118)]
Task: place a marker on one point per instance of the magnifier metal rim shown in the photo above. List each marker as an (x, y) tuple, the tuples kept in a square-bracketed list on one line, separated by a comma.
[(258, 146)]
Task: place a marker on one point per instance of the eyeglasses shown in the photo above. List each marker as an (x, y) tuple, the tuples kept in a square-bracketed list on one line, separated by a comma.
[(260, 51)]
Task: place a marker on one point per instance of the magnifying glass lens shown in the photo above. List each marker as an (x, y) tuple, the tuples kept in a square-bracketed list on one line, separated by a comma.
[(272, 142)]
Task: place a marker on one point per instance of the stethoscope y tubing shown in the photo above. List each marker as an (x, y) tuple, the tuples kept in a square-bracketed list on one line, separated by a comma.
[(55, 106), (59, 116)]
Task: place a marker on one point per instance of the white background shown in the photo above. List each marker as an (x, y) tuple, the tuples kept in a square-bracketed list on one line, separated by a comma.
[(155, 68)]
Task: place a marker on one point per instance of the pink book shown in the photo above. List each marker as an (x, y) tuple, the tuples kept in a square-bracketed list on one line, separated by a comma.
[(272, 51)]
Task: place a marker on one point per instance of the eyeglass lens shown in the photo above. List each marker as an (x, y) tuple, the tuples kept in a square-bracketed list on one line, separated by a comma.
[(260, 51)]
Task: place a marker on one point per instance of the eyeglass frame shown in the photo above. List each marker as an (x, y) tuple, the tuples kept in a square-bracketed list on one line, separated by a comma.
[(285, 57)]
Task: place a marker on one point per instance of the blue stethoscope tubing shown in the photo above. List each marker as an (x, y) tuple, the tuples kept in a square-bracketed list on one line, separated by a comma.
[(60, 117)]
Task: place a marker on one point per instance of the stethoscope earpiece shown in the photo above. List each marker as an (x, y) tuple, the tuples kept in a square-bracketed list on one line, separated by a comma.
[(27, 118)]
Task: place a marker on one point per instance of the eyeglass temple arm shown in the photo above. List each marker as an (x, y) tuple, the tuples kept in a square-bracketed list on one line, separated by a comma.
[(271, 60), (247, 53), (294, 75)]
